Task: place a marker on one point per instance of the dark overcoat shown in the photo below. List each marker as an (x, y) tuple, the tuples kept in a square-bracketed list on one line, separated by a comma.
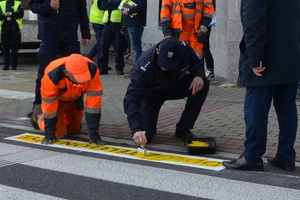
[(271, 34)]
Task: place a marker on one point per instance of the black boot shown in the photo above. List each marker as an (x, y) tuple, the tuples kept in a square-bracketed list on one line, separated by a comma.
[(95, 138), (183, 133)]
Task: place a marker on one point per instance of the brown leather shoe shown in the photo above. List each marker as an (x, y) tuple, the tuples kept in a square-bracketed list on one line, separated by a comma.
[(128, 73)]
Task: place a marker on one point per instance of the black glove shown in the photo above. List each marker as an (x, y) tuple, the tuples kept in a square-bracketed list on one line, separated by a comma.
[(49, 138), (95, 137)]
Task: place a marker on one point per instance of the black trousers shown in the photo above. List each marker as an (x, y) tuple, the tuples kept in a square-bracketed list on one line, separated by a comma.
[(10, 39), (151, 106)]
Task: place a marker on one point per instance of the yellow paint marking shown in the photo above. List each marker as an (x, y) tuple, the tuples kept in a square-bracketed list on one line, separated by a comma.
[(198, 144), (177, 159)]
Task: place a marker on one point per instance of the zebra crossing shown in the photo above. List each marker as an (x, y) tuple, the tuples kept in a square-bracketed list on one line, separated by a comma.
[(28, 172)]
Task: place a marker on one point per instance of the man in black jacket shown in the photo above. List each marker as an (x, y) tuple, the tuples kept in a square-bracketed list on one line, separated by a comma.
[(134, 18), (169, 70), (57, 28), (269, 69)]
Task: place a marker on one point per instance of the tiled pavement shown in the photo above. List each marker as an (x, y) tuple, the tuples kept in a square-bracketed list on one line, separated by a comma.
[(221, 116)]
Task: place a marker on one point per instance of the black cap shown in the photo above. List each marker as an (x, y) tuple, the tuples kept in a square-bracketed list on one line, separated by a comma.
[(169, 53)]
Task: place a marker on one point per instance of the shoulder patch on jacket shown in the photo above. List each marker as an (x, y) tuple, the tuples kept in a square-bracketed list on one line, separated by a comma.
[(145, 66)]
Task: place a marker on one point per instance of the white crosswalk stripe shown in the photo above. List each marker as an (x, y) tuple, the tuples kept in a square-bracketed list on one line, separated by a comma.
[(160, 179)]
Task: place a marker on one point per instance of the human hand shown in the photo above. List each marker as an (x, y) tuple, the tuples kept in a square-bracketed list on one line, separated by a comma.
[(49, 139), (196, 85), (85, 42), (125, 11), (54, 4), (258, 70), (8, 14), (140, 138), (202, 30)]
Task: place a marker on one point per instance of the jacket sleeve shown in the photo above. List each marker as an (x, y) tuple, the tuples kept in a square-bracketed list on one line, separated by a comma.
[(40, 7), (19, 14), (253, 16), (49, 92), (140, 7), (84, 20), (133, 98), (165, 17), (208, 11), (93, 103)]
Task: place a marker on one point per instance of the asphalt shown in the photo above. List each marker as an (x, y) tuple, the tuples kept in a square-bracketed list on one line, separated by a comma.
[(221, 116)]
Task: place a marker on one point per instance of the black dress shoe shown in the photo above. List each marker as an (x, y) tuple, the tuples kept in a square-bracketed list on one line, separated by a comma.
[(242, 164), (277, 163), (103, 71), (5, 68)]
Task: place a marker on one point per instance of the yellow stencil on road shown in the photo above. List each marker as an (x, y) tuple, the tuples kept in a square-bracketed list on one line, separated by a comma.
[(154, 156)]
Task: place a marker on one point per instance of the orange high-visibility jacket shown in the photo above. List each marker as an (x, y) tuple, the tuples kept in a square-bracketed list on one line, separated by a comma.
[(57, 87), (171, 15)]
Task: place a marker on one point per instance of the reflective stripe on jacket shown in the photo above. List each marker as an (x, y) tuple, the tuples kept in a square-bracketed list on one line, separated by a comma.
[(171, 11), (16, 6)]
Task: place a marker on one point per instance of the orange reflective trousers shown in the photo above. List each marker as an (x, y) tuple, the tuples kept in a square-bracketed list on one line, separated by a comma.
[(69, 119)]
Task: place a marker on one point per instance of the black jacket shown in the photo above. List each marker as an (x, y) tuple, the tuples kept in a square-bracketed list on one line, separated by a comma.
[(271, 35), (148, 80), (61, 25), (140, 18)]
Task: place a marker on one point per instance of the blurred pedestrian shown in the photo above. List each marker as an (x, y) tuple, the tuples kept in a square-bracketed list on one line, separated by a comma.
[(169, 70), (186, 20), (64, 85), (11, 25), (134, 18), (269, 68), (112, 31), (57, 29), (207, 56)]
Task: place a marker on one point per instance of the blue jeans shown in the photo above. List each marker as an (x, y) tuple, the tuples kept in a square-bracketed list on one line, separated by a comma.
[(256, 109), (135, 36)]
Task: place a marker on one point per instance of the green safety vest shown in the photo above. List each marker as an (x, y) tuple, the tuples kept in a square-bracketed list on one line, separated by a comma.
[(115, 16), (96, 15), (16, 6)]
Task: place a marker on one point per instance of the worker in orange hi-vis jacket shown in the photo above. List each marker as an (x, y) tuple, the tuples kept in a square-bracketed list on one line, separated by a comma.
[(64, 85), (186, 20)]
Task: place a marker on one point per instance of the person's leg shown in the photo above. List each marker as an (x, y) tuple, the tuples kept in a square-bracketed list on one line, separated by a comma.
[(149, 112), (207, 56), (5, 42), (93, 52), (68, 48), (256, 109), (135, 36), (194, 102), (98, 30), (286, 110), (105, 44), (73, 118), (15, 41), (119, 48), (47, 53)]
